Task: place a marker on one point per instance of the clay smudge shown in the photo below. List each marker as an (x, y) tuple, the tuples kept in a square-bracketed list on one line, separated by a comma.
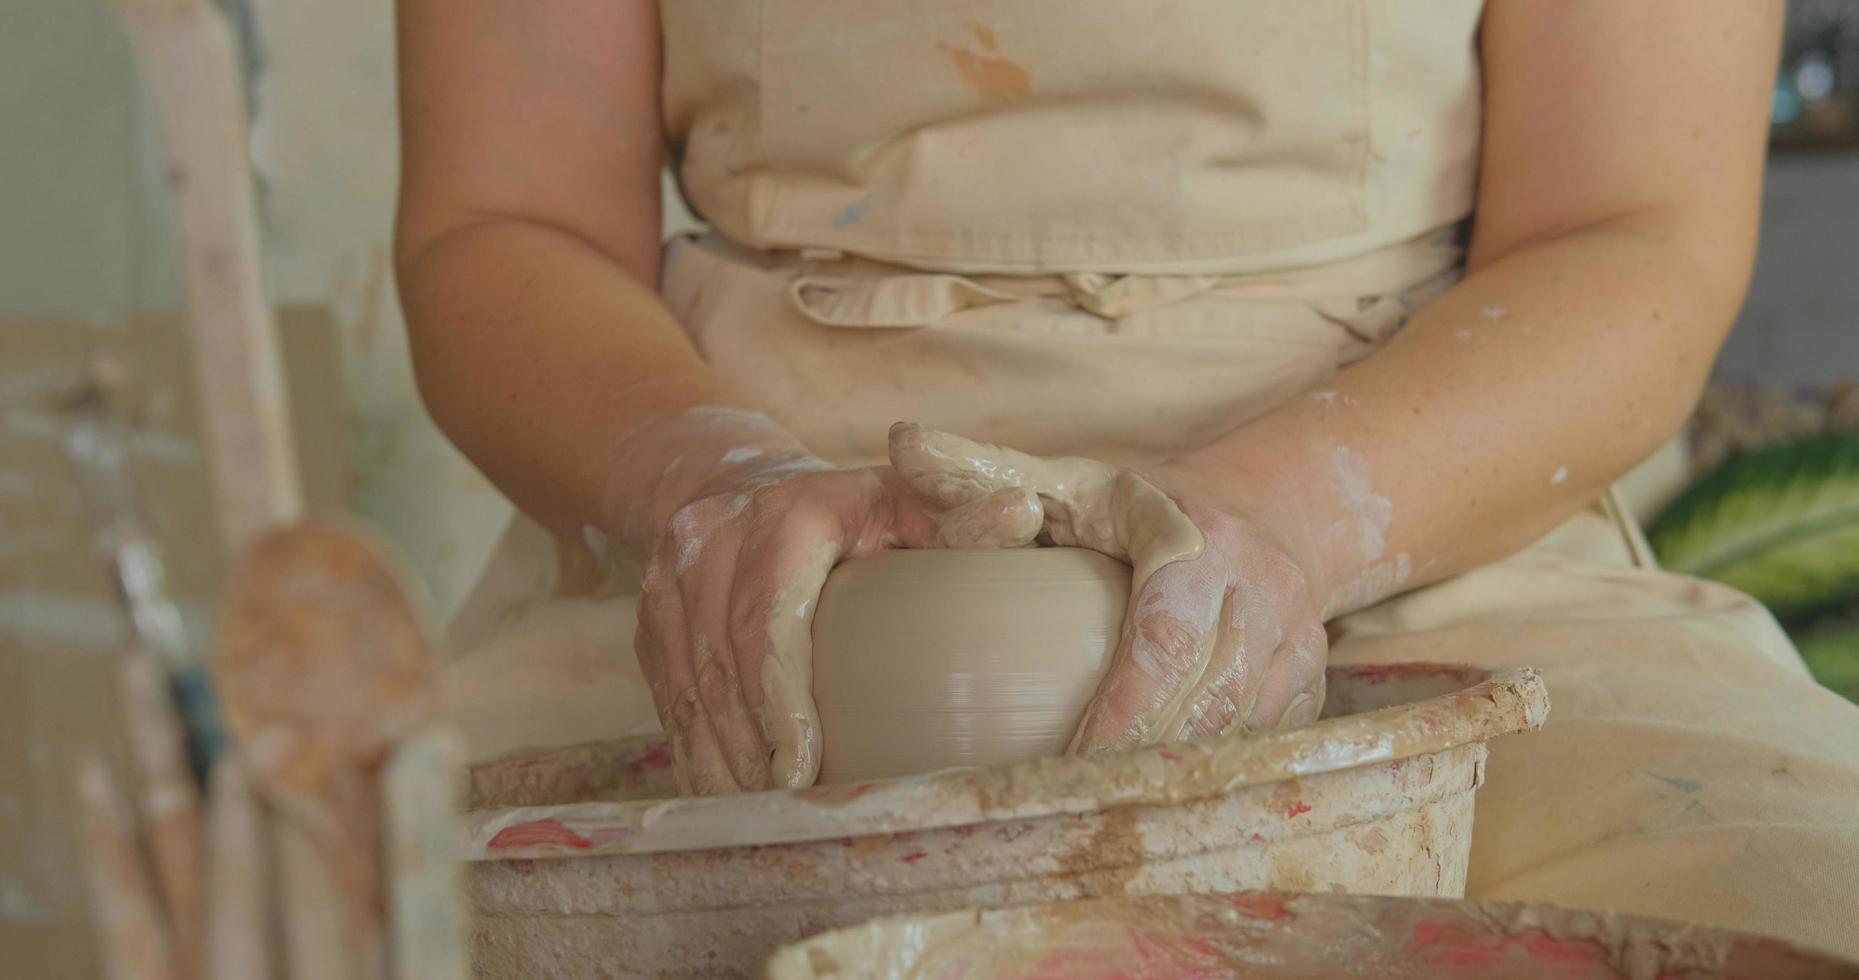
[(787, 715), (1368, 512), (1494, 312), (741, 454), (996, 78), (1560, 476), (600, 546), (1330, 399), (1685, 786), (687, 525), (852, 213), (797, 466), (1378, 581), (1362, 529)]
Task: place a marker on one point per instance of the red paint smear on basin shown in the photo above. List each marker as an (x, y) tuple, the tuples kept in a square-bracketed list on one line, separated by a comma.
[(607, 835), (841, 793), (1451, 946), (1296, 807), (913, 857), (1069, 963), (1172, 955), (1262, 905), (538, 833), (1373, 673), (1010, 834), (656, 756), (1543, 946)]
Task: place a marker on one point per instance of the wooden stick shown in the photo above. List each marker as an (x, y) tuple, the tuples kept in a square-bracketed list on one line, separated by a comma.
[(170, 807), (238, 945), (123, 905), (189, 61), (426, 909), (1638, 548), (317, 941)]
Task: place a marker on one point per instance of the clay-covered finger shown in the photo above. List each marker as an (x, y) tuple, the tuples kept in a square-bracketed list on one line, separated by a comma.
[(719, 684), (697, 761), (1007, 518), (1227, 688), (1264, 590), (954, 470), (705, 564), (1086, 503), (1291, 690), (773, 641), (1167, 639), (1144, 526)]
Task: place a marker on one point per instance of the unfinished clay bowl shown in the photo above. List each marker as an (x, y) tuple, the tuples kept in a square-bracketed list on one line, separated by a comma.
[(1271, 936), (938, 658)]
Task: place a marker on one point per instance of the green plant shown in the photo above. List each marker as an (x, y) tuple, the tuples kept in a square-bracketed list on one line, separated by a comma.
[(1781, 523)]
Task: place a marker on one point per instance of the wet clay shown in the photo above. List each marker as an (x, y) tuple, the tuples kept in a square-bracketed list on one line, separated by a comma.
[(927, 659)]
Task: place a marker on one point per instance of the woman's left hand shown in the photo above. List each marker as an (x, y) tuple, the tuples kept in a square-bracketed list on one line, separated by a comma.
[(1223, 631)]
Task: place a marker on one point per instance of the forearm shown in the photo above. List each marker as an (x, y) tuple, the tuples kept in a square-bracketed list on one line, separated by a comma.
[(1500, 410), (552, 369)]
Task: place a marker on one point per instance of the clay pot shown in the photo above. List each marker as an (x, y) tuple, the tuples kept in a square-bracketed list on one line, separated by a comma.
[(929, 659)]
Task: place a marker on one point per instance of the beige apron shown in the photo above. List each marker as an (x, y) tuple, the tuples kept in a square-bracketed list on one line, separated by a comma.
[(1121, 229)]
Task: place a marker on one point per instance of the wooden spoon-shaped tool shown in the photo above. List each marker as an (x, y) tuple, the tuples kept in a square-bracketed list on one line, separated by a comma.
[(325, 665)]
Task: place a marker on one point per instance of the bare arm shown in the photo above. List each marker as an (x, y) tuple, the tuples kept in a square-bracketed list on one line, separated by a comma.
[(1615, 230), (527, 255), (527, 243)]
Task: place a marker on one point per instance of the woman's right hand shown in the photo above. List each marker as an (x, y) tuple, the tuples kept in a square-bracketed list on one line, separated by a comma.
[(732, 575)]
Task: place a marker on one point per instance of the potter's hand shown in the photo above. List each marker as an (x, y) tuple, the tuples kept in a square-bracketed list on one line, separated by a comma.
[(738, 527), (1221, 632)]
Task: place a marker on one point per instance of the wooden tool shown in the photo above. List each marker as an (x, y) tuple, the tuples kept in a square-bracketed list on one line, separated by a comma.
[(314, 610), (424, 872), (236, 937), (170, 809), (95, 440), (132, 940), (326, 666), (191, 67)]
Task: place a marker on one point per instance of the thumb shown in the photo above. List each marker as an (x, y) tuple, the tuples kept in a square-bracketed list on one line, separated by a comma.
[(953, 471), (1084, 502), (963, 501), (1007, 518)]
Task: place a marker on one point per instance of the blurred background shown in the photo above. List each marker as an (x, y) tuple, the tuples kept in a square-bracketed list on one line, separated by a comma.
[(1762, 491)]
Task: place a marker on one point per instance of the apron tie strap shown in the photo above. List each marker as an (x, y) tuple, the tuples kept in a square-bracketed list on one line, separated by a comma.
[(912, 300)]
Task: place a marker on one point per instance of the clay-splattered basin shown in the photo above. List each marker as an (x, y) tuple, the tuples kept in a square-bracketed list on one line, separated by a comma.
[(1375, 798), (1271, 936)]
